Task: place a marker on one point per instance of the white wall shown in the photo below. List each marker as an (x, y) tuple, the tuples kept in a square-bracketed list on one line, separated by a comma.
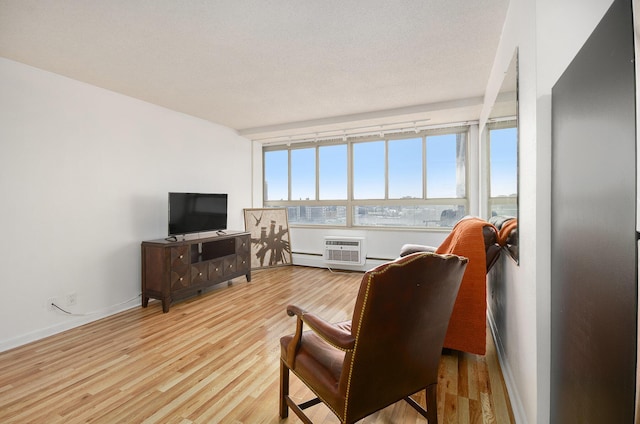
[(548, 35), (84, 176)]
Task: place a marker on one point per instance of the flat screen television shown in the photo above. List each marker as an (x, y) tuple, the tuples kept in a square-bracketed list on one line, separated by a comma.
[(197, 212)]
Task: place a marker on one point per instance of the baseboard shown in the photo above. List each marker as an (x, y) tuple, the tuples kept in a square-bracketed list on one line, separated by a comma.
[(507, 374), (72, 322), (317, 261)]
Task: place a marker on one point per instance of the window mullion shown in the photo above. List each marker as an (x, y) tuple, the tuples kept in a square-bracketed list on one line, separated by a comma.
[(461, 169), (386, 169), (317, 173), (350, 184), (424, 166), (289, 174), (488, 182)]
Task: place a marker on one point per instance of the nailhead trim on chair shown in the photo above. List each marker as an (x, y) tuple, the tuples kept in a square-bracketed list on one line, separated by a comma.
[(355, 348), (330, 343)]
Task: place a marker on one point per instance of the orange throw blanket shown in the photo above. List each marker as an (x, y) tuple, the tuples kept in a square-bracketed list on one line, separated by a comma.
[(505, 231), (468, 324)]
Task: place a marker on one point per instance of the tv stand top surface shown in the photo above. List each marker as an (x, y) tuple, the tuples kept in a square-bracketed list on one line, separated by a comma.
[(195, 238)]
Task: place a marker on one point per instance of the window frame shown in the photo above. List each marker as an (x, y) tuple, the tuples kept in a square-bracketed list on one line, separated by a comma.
[(350, 203)]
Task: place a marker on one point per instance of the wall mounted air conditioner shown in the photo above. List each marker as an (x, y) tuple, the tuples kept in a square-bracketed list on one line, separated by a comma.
[(344, 250)]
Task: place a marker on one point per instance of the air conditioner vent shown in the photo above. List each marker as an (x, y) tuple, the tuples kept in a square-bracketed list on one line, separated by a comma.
[(344, 250)]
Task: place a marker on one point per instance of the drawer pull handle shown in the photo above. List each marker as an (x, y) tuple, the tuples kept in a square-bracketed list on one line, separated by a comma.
[(181, 256)]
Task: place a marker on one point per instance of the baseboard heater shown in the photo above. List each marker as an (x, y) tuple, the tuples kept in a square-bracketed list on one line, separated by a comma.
[(344, 250)]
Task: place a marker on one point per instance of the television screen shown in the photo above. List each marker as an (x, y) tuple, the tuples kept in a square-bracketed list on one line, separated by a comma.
[(197, 212)]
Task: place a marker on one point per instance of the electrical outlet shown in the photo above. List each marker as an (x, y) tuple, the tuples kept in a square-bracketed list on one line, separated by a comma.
[(72, 299), (50, 302)]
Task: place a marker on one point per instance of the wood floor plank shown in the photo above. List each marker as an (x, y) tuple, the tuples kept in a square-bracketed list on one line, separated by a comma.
[(476, 412), (214, 358), (450, 408), (463, 376)]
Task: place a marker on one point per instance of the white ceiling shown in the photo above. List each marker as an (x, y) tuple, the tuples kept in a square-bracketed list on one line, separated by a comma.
[(270, 67)]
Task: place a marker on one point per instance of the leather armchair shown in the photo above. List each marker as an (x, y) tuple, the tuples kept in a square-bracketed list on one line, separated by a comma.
[(507, 233), (389, 350)]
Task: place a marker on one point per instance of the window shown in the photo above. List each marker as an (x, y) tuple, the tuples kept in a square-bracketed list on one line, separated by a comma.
[(276, 175), (368, 170), (503, 169), (445, 166), (412, 180), (333, 172), (303, 174), (405, 168)]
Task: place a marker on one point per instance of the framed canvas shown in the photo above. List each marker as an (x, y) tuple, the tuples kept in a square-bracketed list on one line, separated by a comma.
[(270, 242)]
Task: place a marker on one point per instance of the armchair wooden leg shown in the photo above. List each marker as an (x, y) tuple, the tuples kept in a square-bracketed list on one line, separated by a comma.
[(431, 413), (284, 389), (432, 404)]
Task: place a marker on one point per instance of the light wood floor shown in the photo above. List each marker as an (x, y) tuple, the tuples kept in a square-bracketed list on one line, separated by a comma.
[(213, 359)]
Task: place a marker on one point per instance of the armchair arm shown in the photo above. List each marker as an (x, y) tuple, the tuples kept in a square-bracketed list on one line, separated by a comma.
[(408, 249), (295, 310), (332, 334)]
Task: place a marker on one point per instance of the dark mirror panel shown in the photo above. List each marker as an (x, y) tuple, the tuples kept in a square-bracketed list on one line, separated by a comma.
[(594, 277)]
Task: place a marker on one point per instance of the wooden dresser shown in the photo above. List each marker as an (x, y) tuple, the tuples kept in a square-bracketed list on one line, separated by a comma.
[(174, 270)]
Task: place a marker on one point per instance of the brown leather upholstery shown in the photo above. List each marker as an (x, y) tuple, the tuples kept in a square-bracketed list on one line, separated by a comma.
[(507, 233), (389, 350)]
